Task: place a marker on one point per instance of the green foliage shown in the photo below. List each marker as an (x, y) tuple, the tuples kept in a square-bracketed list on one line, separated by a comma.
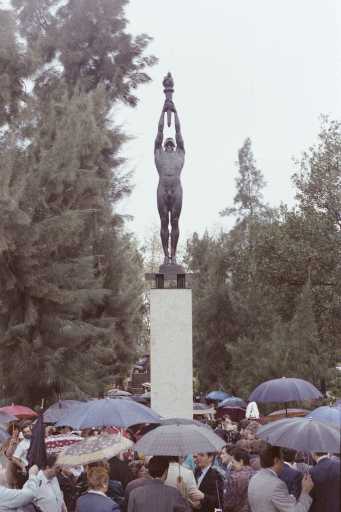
[(281, 273), (71, 294)]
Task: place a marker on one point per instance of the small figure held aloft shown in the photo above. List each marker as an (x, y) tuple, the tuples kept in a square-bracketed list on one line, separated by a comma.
[(169, 161)]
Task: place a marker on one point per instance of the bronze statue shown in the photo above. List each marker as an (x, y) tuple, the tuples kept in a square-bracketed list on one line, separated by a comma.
[(169, 161)]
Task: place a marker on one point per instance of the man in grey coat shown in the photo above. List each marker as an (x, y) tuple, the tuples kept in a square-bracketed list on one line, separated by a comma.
[(268, 493), (11, 500), (156, 496)]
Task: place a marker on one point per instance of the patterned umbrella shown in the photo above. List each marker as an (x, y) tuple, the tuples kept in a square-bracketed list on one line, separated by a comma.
[(20, 411), (108, 412), (56, 444), (304, 434), (92, 449), (179, 440), (284, 390)]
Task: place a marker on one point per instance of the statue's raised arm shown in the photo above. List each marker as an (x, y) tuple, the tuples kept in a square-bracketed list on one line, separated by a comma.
[(178, 136), (159, 136)]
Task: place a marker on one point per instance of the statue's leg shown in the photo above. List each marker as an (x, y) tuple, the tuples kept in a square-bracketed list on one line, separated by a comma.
[(164, 217), (175, 214)]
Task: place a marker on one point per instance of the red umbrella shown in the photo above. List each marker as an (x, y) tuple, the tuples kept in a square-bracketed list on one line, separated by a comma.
[(20, 411)]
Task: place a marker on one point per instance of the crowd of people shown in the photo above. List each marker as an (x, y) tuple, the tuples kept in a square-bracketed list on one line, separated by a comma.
[(247, 475)]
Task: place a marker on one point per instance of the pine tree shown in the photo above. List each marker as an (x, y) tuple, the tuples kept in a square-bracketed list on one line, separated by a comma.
[(71, 295)]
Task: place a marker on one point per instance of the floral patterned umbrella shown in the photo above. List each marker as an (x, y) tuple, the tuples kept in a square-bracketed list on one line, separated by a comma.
[(93, 449)]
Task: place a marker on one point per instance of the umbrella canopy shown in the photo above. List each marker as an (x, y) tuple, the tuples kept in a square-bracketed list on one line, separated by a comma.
[(56, 411), (7, 418), (95, 448), (284, 413), (183, 421), (327, 414), (56, 444), (179, 440), (20, 411), (36, 454), (217, 396), (3, 435), (304, 434), (108, 412), (284, 390), (233, 401), (112, 393)]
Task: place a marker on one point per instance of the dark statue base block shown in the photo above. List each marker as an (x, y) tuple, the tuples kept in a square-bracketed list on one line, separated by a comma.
[(170, 275), (171, 270)]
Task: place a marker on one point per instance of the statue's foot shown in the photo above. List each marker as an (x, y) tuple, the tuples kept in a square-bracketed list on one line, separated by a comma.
[(173, 260), (167, 260)]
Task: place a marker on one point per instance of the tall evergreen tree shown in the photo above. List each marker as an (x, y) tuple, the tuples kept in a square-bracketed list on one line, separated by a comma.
[(73, 312)]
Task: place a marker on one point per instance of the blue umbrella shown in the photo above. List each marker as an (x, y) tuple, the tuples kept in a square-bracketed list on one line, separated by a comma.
[(284, 390), (108, 412), (217, 396), (7, 418), (327, 414), (3, 435), (233, 401), (304, 434), (56, 411)]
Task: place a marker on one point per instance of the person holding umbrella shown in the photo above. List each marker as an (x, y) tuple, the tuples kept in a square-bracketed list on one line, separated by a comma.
[(327, 484), (11, 499)]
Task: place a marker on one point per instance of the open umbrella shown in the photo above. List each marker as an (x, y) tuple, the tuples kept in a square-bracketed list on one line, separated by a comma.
[(179, 440), (7, 418), (217, 396), (304, 434), (108, 412), (327, 414), (284, 390), (113, 393), (202, 409), (233, 401), (56, 444), (20, 411), (285, 413), (56, 411), (3, 436), (95, 448)]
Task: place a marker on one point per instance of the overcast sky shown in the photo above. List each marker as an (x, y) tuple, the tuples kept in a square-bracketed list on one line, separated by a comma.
[(264, 69)]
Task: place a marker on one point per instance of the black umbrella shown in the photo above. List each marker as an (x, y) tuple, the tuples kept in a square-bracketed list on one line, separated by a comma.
[(37, 450)]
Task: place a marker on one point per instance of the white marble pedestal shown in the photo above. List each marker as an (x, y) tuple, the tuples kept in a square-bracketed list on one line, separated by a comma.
[(171, 352)]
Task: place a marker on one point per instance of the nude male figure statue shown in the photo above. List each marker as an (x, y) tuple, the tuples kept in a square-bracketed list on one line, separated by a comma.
[(169, 161)]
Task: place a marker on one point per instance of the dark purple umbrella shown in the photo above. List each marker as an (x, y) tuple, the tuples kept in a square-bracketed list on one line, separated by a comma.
[(37, 450), (56, 411), (284, 390)]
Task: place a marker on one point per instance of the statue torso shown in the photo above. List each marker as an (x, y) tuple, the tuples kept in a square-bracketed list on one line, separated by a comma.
[(169, 164)]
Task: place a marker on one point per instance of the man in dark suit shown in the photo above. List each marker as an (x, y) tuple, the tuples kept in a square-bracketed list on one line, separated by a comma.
[(155, 496), (120, 471), (326, 477), (289, 474), (210, 484)]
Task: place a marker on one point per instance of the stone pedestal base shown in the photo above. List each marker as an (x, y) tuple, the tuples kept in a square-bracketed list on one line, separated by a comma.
[(171, 352)]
